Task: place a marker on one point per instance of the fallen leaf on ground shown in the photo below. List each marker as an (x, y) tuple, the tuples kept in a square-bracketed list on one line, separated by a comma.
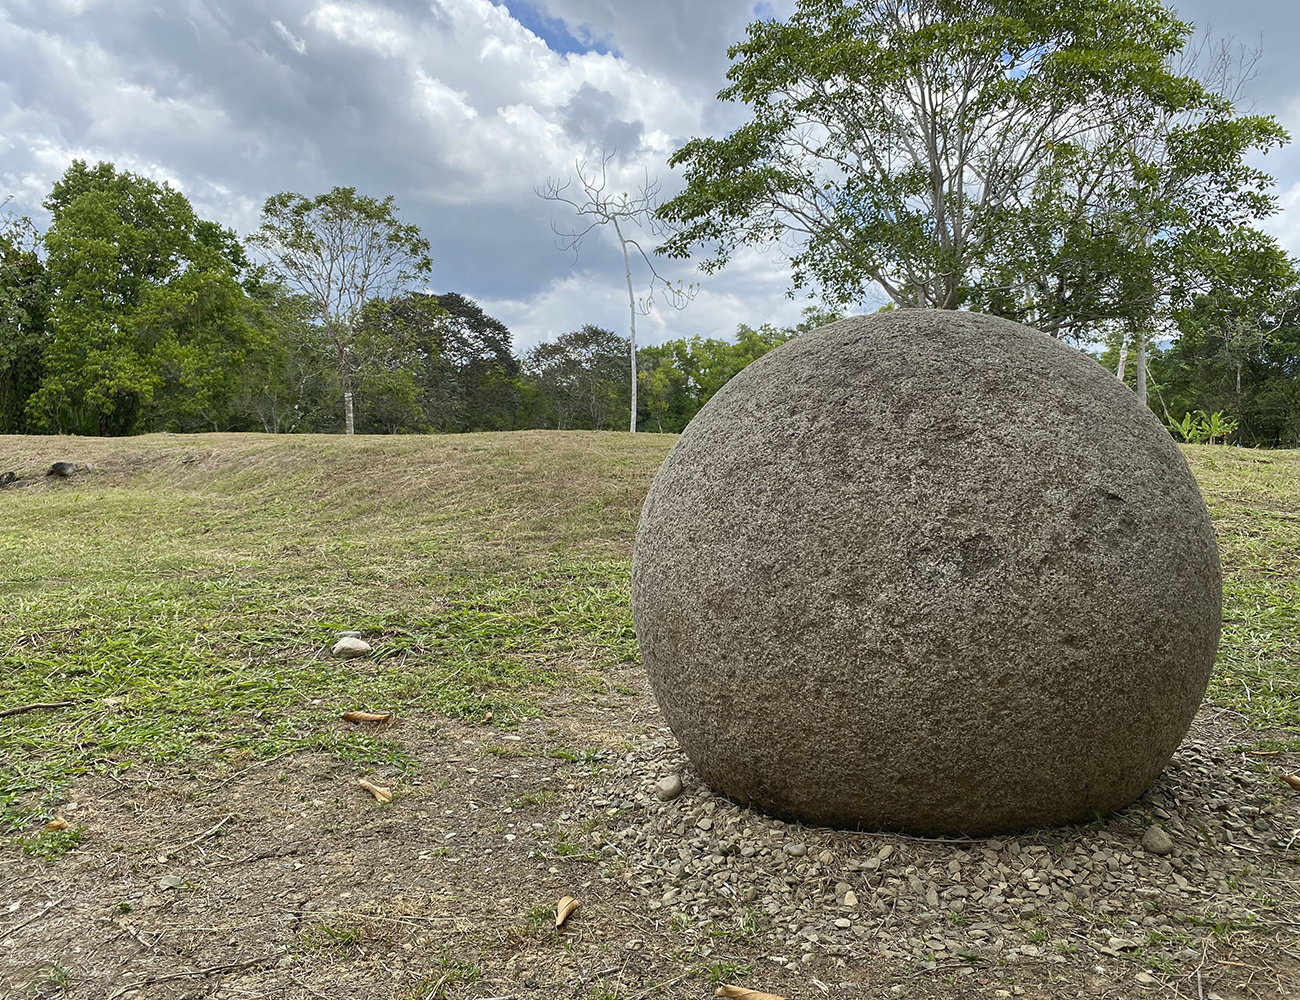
[(58, 823), (563, 908), (367, 716), (380, 794), (1293, 780), (742, 993)]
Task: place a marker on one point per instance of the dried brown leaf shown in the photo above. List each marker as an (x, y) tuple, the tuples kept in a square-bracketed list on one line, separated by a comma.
[(380, 794), (58, 823), (744, 993), (367, 716), (563, 908), (1293, 780)]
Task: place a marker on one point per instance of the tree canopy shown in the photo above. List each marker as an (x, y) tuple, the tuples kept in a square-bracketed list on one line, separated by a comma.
[(146, 304), (340, 250), (1003, 153)]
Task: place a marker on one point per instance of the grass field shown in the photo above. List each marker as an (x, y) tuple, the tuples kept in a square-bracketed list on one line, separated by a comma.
[(174, 592), (179, 596)]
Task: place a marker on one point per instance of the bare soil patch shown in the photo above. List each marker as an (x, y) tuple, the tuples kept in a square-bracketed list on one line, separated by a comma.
[(310, 888)]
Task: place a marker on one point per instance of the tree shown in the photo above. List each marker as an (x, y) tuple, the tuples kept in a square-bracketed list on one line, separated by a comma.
[(581, 375), (1238, 354), (340, 250), (148, 318), (487, 370), (625, 212), (910, 143), (24, 307), (293, 384), (1116, 238), (464, 376)]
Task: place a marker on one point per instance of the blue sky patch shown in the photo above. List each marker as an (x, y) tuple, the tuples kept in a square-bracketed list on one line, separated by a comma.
[(555, 32)]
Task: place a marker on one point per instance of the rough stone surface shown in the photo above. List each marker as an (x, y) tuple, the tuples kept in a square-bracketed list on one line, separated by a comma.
[(350, 647), (669, 787), (930, 572), (1156, 841)]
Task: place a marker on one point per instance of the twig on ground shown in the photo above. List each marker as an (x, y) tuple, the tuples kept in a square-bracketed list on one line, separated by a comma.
[(208, 833), (216, 970), (20, 709), (31, 920), (660, 986)]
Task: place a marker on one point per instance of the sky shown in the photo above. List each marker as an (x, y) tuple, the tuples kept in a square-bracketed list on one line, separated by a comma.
[(460, 109)]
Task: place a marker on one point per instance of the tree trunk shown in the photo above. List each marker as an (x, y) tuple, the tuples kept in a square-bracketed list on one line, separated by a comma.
[(1123, 356), (631, 308), (1140, 364), (345, 375)]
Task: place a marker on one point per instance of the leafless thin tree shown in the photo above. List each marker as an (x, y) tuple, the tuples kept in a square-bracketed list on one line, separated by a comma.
[(629, 213)]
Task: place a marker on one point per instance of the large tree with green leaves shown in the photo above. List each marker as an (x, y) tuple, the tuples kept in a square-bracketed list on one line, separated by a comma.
[(340, 250), (149, 320), (582, 378), (914, 144)]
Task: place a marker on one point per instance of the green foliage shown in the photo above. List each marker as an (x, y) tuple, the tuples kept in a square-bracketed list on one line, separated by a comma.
[(340, 250), (24, 307), (581, 380), (51, 844), (1237, 354), (679, 376), (1204, 428), (147, 314), (1035, 158), (435, 362)]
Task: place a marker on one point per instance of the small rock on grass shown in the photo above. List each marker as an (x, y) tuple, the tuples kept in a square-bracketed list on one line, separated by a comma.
[(1156, 841), (668, 788), (349, 648)]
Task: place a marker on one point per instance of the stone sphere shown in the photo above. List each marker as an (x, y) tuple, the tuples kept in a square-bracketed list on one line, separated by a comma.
[(925, 571)]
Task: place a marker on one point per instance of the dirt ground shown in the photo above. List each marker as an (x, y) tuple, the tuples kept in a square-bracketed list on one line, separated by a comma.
[(286, 879)]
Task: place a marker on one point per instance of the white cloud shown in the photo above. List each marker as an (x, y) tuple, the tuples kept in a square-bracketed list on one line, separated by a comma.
[(452, 106), (295, 43)]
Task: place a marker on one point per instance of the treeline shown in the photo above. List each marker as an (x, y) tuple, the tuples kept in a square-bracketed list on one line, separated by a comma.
[(131, 314)]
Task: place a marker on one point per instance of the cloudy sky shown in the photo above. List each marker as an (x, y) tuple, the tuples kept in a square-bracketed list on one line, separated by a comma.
[(459, 108)]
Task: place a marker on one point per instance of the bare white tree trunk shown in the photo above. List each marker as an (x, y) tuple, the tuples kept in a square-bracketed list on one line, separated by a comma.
[(631, 308), (1140, 363), (1123, 356)]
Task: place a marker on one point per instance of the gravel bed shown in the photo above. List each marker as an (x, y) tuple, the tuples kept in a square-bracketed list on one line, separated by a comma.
[(817, 897)]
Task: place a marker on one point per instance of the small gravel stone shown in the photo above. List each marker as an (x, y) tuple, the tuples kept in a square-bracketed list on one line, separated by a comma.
[(698, 857), (1157, 842), (669, 787)]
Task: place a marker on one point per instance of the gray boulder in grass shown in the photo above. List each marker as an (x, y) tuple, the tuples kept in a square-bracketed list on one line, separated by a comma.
[(927, 571)]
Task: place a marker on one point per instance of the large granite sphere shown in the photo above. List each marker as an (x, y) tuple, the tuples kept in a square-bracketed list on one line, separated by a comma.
[(927, 571)]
